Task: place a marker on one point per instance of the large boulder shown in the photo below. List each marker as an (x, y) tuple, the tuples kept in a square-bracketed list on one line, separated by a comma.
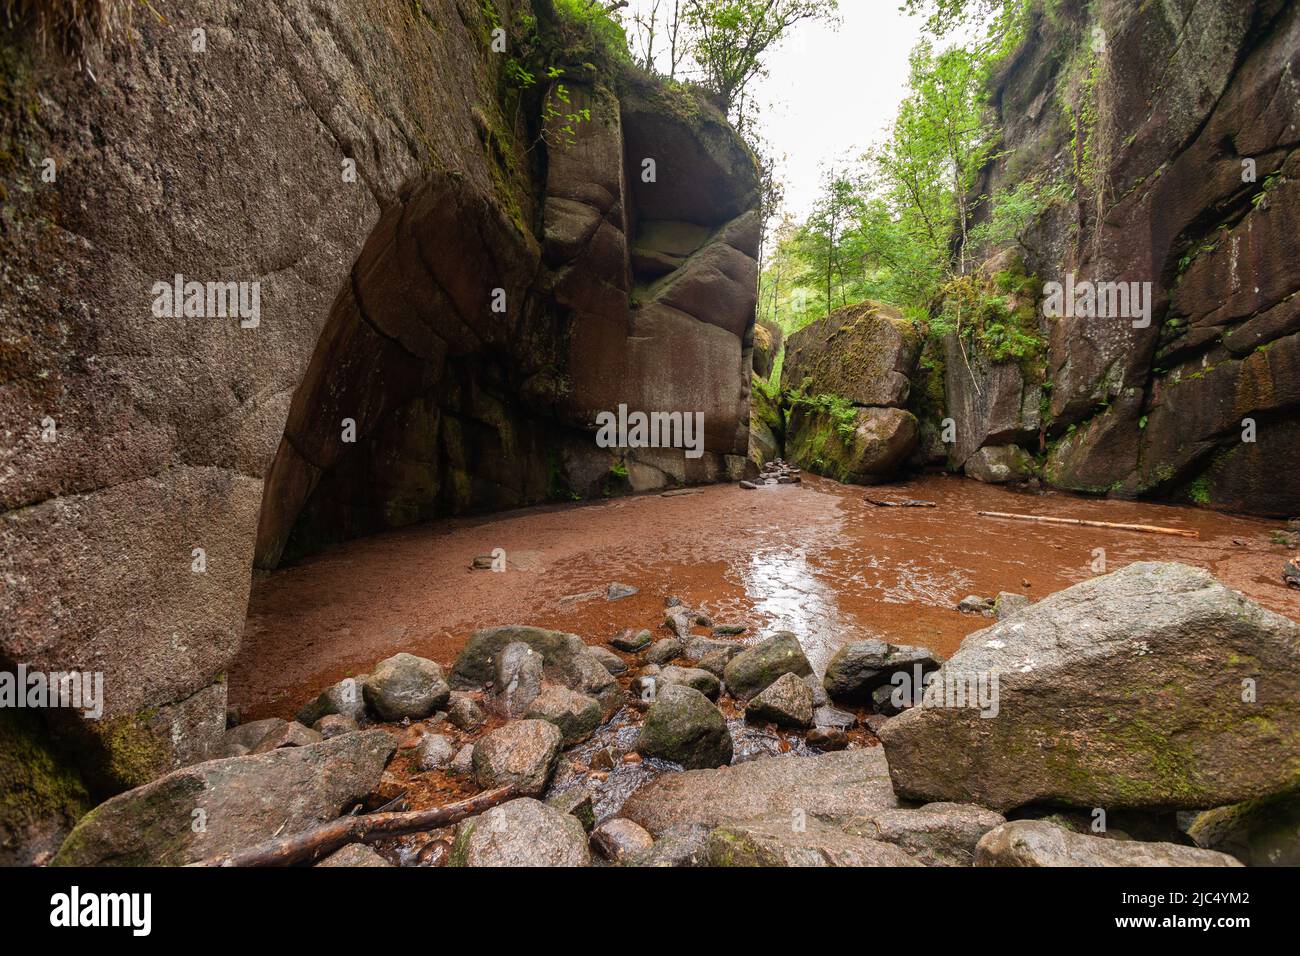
[(1039, 843), (860, 446), (796, 841), (521, 832), (755, 668), (865, 353), (225, 805), (682, 726), (405, 687), (522, 754), (1154, 686), (833, 787)]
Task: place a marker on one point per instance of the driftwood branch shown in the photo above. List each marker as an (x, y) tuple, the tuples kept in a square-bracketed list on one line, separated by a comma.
[(1146, 528), (311, 845)]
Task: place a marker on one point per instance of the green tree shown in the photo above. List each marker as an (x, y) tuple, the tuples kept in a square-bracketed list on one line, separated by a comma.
[(730, 37)]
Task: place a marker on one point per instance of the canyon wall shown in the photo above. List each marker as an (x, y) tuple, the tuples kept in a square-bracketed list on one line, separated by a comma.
[(1173, 128), (455, 271)]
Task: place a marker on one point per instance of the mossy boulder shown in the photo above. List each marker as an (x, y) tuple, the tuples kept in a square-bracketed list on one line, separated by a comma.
[(863, 446), (756, 668), (683, 727), (1263, 832), (865, 352), (221, 806), (40, 796), (1154, 687)]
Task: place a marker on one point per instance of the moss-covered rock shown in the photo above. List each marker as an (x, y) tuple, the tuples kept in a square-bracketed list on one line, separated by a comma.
[(828, 436)]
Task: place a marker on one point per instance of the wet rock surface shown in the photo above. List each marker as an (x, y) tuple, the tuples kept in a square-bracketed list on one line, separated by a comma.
[(522, 832), (796, 841), (1038, 843)]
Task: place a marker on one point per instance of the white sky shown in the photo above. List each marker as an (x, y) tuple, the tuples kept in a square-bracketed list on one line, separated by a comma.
[(832, 91)]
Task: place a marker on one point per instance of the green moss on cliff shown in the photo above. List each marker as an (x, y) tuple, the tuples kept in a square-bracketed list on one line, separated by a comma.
[(38, 790)]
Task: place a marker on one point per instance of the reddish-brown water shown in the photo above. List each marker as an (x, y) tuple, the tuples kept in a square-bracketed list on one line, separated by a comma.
[(815, 559)]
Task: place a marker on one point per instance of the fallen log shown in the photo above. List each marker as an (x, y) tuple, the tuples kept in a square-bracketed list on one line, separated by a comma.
[(311, 845), (1146, 528), (904, 503)]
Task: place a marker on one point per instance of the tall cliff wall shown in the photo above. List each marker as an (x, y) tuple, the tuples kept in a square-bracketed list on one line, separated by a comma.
[(1173, 128), (465, 304)]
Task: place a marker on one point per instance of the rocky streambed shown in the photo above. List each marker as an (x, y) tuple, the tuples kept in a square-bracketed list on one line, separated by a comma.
[(1141, 717)]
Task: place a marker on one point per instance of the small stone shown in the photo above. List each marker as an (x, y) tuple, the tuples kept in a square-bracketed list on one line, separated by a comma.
[(433, 853), (405, 687), (602, 759), (632, 758), (663, 651), (1291, 572), (333, 725), (749, 486), (834, 718), (974, 604), (631, 641), (464, 712), (618, 840), (576, 715), (729, 630), (787, 702), (609, 660), (434, 752), (617, 591), (482, 562), (345, 698), (462, 765), (827, 738), (875, 722)]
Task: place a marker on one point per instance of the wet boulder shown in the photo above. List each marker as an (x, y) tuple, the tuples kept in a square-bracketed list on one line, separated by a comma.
[(576, 715), (755, 668), (516, 680), (796, 841), (937, 834), (861, 667), (620, 840), (1152, 687), (694, 677), (661, 652), (345, 697), (1039, 843), (834, 787), (521, 832), (242, 801), (405, 687), (682, 726), (787, 702), (521, 754)]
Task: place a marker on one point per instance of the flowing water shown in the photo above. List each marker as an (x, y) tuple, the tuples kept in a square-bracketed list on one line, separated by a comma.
[(815, 559)]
